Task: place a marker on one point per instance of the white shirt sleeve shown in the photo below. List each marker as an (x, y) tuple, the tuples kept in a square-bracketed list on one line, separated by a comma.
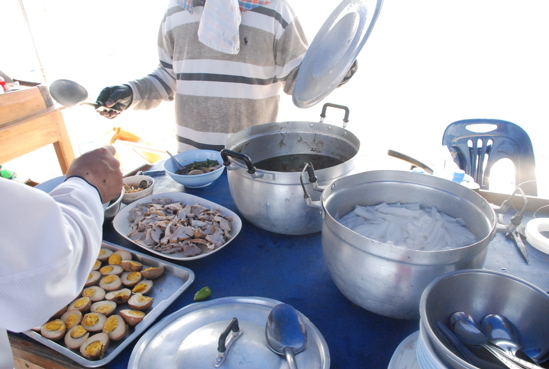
[(48, 245)]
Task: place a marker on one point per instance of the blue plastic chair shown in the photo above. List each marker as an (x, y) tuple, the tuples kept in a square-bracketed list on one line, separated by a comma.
[(477, 144)]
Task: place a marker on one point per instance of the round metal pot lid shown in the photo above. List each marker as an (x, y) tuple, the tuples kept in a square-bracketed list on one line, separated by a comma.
[(190, 338), (334, 49)]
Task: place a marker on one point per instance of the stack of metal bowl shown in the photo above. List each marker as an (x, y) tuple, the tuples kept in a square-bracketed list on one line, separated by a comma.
[(480, 292)]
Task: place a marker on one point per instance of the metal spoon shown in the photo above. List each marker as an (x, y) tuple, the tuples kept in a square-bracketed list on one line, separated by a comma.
[(181, 168), (69, 93), (286, 333), (502, 333), (471, 335)]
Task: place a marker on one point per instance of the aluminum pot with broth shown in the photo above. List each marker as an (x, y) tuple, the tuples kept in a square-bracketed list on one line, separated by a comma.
[(264, 165)]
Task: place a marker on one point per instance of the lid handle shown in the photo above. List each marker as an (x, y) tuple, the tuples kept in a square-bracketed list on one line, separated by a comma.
[(226, 340)]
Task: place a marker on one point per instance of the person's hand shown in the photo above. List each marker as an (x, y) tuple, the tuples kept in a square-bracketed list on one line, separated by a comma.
[(350, 73), (101, 169), (116, 97)]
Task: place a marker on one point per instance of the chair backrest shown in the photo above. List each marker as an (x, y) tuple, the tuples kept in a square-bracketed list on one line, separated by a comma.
[(477, 144)]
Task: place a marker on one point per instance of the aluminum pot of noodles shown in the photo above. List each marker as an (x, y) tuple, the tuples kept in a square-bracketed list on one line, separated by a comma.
[(387, 276)]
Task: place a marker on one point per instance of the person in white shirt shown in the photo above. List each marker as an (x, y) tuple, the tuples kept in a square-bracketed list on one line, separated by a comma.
[(49, 242)]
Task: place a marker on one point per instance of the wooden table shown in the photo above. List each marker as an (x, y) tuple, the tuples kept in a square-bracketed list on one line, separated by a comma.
[(29, 120)]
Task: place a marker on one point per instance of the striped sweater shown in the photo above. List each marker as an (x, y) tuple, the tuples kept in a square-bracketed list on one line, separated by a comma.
[(217, 94)]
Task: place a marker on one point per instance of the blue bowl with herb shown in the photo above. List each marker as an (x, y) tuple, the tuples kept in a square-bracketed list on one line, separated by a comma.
[(200, 168)]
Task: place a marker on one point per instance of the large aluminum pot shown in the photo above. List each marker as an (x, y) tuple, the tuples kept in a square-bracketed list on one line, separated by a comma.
[(388, 279), (273, 199)]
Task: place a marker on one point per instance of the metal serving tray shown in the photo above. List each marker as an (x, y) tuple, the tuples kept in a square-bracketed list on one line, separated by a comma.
[(167, 288)]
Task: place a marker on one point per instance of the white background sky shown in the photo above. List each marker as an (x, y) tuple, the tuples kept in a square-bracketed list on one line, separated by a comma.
[(427, 63)]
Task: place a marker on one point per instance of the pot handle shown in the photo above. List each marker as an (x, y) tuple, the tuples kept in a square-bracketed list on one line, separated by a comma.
[(327, 105), (312, 178), (245, 158)]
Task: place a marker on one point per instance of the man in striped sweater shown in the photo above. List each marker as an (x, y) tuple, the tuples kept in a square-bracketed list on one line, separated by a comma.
[(255, 48)]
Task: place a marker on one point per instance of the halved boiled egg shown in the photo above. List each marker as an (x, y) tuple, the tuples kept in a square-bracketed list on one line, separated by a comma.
[(72, 318), (115, 327), (94, 347), (54, 329), (117, 257), (143, 287), (132, 316), (130, 279), (103, 307), (152, 272), (93, 278), (76, 336), (131, 265), (119, 296), (104, 254), (95, 293), (83, 304), (111, 269), (93, 322), (110, 283), (140, 301)]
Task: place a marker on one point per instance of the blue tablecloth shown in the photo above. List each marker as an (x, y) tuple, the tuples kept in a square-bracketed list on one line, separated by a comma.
[(291, 269)]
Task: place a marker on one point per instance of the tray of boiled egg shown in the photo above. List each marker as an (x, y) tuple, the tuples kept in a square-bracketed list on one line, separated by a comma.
[(124, 294)]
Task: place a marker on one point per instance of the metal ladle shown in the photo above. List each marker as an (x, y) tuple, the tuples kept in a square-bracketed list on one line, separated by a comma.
[(69, 93), (286, 333)]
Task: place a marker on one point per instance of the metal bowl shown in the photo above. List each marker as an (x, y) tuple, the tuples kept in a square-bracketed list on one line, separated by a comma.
[(481, 292), (112, 207), (189, 157), (388, 279)]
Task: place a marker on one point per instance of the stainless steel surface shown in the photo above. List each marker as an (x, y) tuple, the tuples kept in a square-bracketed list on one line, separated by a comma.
[(286, 333), (480, 292), (388, 279), (122, 225), (273, 200), (188, 338), (175, 280)]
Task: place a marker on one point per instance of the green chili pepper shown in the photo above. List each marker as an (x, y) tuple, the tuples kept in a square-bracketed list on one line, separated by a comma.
[(202, 294)]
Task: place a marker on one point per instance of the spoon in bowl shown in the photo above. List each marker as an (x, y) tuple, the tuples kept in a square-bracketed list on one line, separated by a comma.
[(502, 333), (471, 335), (286, 333), (179, 166)]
